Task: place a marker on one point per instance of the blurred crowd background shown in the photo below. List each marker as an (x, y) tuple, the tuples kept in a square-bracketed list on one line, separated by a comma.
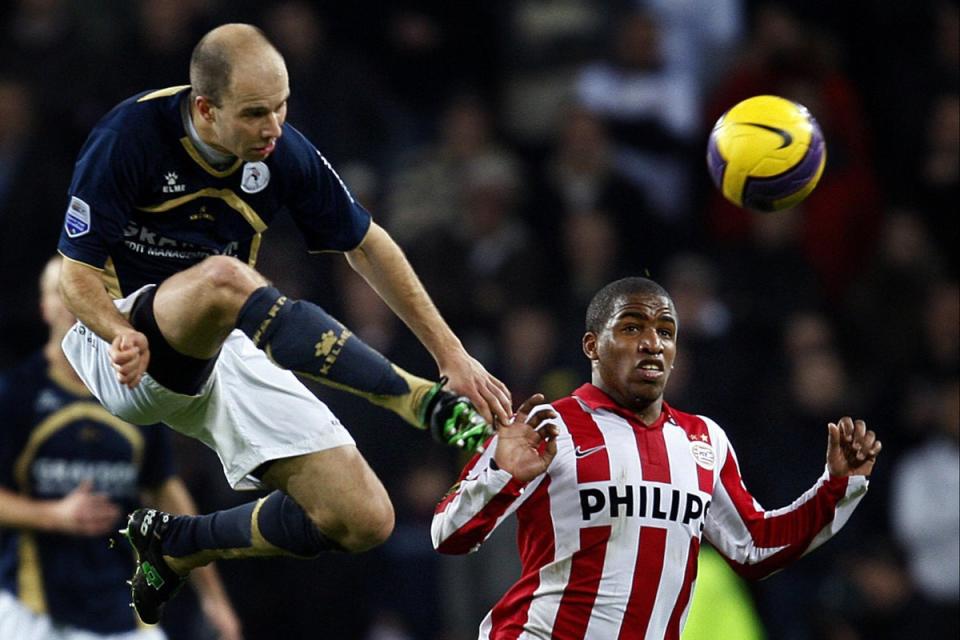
[(526, 152)]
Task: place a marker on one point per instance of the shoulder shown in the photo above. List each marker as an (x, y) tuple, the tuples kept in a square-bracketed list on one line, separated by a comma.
[(142, 118), (294, 147), (23, 378), (697, 426)]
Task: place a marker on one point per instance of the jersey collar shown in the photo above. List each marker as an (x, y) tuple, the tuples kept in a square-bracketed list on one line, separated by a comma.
[(597, 399)]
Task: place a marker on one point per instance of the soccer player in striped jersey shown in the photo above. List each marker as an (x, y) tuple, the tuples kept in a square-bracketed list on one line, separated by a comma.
[(170, 196), (614, 489)]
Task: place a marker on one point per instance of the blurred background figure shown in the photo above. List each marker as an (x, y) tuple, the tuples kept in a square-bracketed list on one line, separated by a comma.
[(651, 109), (69, 474), (722, 607), (30, 214), (925, 512)]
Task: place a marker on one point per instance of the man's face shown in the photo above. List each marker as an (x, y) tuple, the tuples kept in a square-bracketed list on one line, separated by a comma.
[(634, 351), (249, 121)]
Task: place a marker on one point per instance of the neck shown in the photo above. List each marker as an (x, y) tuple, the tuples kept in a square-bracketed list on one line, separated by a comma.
[(199, 132), (651, 413), (58, 364), (647, 411)]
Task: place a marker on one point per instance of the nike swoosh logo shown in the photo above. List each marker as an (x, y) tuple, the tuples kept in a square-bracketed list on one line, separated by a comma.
[(783, 133), (583, 453)]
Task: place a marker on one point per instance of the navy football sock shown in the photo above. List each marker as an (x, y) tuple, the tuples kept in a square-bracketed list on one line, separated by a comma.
[(271, 526), (300, 336)]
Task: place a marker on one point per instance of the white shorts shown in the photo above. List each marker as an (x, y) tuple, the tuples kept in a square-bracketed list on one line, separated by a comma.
[(249, 411), (19, 622)]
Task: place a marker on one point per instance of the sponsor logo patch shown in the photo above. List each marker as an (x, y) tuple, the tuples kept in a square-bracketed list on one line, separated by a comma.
[(77, 221), (703, 454), (256, 176)]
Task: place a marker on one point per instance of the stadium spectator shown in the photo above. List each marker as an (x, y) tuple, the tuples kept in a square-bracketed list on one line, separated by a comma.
[(651, 109), (427, 192), (186, 341), (580, 175), (613, 489), (362, 121), (925, 512), (29, 210), (68, 472)]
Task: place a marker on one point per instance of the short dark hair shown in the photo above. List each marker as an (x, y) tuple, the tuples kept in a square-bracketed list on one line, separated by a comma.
[(210, 67), (601, 306)]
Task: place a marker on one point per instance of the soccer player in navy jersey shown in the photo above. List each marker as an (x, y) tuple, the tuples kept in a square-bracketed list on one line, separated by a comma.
[(170, 195), (69, 471), (614, 489)]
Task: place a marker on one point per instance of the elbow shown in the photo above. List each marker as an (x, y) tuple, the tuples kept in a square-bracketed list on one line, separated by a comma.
[(438, 536), (448, 543)]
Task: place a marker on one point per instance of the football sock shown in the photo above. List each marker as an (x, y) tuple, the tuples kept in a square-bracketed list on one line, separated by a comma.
[(300, 336), (274, 525)]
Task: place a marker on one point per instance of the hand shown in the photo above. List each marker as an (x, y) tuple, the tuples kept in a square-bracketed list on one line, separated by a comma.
[(222, 617), (130, 355), (490, 396), (527, 445), (85, 513), (851, 449)]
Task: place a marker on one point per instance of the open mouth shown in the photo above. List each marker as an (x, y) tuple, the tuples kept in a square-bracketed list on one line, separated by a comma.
[(650, 370), (265, 150)]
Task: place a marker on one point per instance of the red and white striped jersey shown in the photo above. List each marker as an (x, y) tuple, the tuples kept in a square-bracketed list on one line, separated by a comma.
[(609, 535)]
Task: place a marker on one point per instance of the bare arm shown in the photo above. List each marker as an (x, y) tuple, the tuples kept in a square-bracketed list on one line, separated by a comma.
[(383, 265), (81, 512), (172, 496), (81, 287)]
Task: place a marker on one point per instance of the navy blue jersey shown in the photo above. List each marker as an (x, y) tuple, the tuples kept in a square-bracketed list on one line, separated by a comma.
[(144, 204), (52, 437)]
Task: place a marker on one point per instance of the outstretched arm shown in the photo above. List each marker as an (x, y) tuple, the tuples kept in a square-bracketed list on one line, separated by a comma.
[(383, 265), (758, 542), (487, 493)]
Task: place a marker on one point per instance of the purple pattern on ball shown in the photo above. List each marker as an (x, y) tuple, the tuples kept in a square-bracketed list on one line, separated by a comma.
[(715, 163), (761, 193)]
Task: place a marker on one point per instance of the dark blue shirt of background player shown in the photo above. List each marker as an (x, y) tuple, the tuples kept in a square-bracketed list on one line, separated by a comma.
[(54, 436)]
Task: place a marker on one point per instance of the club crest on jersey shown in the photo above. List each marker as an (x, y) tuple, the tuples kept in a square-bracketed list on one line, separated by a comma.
[(703, 454), (256, 176), (77, 221)]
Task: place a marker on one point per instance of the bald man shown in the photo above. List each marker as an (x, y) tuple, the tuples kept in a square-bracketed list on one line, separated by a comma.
[(170, 196)]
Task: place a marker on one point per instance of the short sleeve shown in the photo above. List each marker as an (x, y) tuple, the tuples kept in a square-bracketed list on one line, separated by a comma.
[(324, 210), (100, 198)]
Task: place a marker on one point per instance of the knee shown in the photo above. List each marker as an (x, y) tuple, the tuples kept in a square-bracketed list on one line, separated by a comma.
[(227, 273), (229, 279), (371, 528)]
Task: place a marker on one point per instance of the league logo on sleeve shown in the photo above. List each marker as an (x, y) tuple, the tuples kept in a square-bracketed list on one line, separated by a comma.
[(78, 218)]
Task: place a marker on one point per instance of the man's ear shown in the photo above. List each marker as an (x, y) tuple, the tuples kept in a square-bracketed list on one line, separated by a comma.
[(590, 345), (204, 107)]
